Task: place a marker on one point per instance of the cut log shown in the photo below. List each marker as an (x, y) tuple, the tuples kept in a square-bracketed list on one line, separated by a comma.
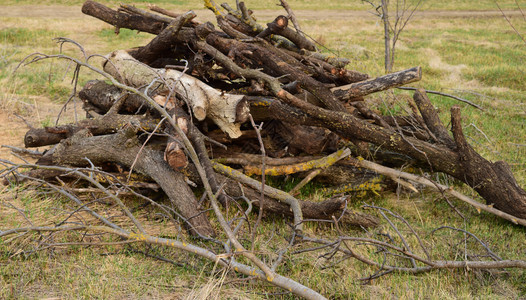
[(226, 110), (99, 96), (378, 84), (280, 27), (38, 137), (174, 153), (121, 19)]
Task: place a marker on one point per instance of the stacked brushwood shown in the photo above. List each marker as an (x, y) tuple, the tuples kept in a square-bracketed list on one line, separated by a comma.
[(216, 85)]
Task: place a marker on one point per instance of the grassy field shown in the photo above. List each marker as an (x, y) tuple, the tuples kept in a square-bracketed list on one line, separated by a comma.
[(464, 49), (301, 4)]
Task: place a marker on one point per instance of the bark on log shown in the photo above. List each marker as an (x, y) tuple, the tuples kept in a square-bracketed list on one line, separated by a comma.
[(324, 210), (38, 137), (493, 181), (431, 118), (99, 96), (163, 41), (131, 9), (337, 62), (280, 27), (121, 19), (168, 13), (109, 148), (378, 84)]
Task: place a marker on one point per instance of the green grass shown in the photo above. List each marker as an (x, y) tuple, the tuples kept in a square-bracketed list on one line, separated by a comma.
[(125, 39), (43, 78), (493, 67)]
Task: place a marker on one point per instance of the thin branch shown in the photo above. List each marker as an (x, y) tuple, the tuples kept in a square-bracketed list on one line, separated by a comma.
[(442, 188), (292, 17), (262, 198), (278, 280), (491, 253), (269, 191), (509, 22), (445, 95)]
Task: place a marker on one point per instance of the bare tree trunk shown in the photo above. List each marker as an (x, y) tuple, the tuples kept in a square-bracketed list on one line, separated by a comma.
[(387, 37)]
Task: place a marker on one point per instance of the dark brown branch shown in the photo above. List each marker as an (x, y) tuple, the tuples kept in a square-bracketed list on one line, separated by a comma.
[(431, 118), (122, 19), (38, 137), (280, 26), (163, 41), (493, 181), (292, 17)]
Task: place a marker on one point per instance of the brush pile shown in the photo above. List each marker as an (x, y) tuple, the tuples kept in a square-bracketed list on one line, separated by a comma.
[(218, 107)]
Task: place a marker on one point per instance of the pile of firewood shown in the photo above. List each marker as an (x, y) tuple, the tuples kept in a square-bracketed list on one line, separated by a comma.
[(202, 106)]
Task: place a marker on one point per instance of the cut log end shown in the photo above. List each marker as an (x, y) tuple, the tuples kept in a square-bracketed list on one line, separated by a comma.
[(199, 112)]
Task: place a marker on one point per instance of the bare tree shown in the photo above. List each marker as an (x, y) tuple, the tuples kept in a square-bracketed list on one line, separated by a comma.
[(509, 21), (393, 24)]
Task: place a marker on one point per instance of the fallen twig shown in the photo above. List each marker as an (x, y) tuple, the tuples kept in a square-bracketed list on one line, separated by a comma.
[(441, 188), (443, 94)]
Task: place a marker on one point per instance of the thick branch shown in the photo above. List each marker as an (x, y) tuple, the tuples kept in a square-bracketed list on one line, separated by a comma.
[(378, 84), (109, 148), (38, 137), (493, 181), (280, 27), (121, 19), (431, 118), (163, 41), (226, 110)]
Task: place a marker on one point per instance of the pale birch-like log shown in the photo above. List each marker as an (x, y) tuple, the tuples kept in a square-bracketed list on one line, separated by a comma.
[(226, 110)]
